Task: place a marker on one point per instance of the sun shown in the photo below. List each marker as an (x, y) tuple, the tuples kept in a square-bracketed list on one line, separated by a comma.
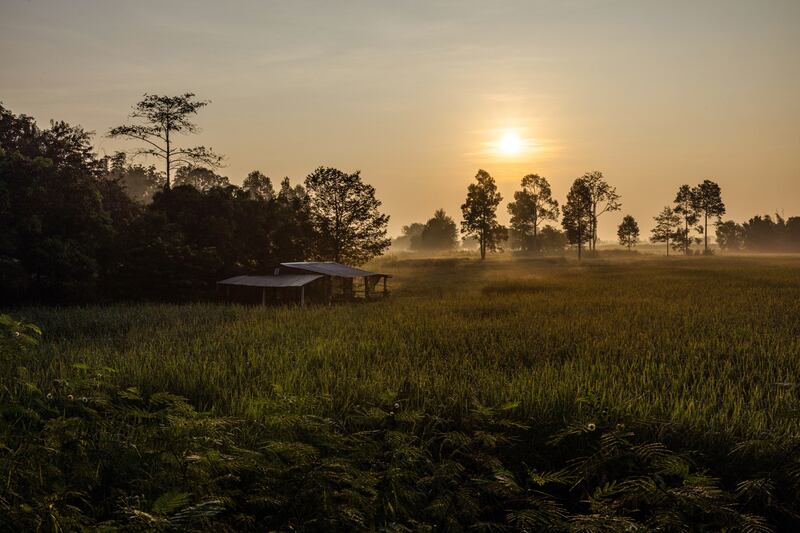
[(510, 144)]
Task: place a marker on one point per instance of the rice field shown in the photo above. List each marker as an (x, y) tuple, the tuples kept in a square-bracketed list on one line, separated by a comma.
[(706, 345)]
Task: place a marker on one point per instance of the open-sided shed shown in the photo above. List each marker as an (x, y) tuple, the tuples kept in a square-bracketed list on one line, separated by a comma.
[(340, 278), (301, 282), (274, 289)]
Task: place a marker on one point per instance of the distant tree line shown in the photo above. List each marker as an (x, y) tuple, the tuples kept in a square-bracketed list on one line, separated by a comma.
[(74, 226)]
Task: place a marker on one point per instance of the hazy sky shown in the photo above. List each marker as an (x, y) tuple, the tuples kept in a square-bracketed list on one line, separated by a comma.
[(414, 94)]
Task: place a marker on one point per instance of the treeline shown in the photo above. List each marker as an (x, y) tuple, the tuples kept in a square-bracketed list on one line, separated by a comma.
[(76, 227), (760, 234), (682, 227)]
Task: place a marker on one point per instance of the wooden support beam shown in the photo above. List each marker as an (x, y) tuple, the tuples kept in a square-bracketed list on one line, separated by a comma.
[(302, 296), (385, 288), (264, 296)]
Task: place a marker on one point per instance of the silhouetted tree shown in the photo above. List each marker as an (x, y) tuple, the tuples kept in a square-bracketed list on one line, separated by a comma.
[(667, 225), (552, 240), (628, 232), (259, 186), (480, 213), (707, 201), (408, 234), (685, 208), (730, 235), (200, 178), (163, 117), (577, 215), (439, 233), (603, 198), (54, 227), (345, 212), (532, 205)]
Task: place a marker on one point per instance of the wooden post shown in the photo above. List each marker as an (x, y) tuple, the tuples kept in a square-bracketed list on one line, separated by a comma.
[(227, 293), (366, 288), (302, 296), (385, 289), (263, 296)]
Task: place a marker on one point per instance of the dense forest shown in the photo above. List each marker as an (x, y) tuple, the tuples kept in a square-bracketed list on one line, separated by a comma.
[(75, 226)]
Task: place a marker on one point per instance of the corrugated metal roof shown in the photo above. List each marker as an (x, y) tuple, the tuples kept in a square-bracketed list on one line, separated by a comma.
[(287, 280), (329, 268)]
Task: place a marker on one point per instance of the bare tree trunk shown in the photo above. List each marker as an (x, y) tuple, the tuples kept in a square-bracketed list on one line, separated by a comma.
[(167, 186), (705, 230)]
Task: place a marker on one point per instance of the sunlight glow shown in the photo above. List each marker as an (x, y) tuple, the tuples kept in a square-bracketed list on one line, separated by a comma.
[(510, 144)]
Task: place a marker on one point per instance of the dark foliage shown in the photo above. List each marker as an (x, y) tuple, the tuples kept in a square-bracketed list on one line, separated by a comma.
[(89, 454)]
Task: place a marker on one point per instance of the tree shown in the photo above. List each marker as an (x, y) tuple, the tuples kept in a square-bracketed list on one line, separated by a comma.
[(55, 230), (577, 215), (480, 214), (202, 179), (140, 182), (685, 208), (164, 117), (628, 232), (259, 186), (439, 233), (707, 200), (409, 235), (667, 223), (532, 205), (345, 212), (552, 240), (730, 235), (603, 198)]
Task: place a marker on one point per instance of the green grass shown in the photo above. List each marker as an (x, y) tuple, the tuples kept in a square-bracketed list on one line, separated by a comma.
[(700, 342), (629, 393)]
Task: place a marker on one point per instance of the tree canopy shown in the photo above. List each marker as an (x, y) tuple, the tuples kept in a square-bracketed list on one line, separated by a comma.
[(533, 204), (628, 232), (162, 117), (577, 214), (346, 216), (480, 214)]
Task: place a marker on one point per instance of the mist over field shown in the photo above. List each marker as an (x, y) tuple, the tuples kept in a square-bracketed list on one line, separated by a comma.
[(399, 267)]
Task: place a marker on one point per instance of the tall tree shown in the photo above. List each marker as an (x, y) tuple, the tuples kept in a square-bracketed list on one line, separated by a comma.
[(345, 211), (577, 215), (532, 205), (164, 117), (628, 232), (259, 186), (603, 198), (480, 213), (667, 224), (685, 208), (439, 233), (707, 201)]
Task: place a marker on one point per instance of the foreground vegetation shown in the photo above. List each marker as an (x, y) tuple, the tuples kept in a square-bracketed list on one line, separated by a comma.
[(504, 395)]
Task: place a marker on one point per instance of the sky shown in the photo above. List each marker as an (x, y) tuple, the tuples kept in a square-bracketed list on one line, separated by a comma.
[(418, 95)]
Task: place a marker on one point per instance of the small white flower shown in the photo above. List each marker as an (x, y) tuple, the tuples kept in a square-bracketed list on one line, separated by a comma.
[(84, 399), (397, 405), (16, 333), (49, 396), (591, 426), (391, 413), (620, 426), (70, 397)]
